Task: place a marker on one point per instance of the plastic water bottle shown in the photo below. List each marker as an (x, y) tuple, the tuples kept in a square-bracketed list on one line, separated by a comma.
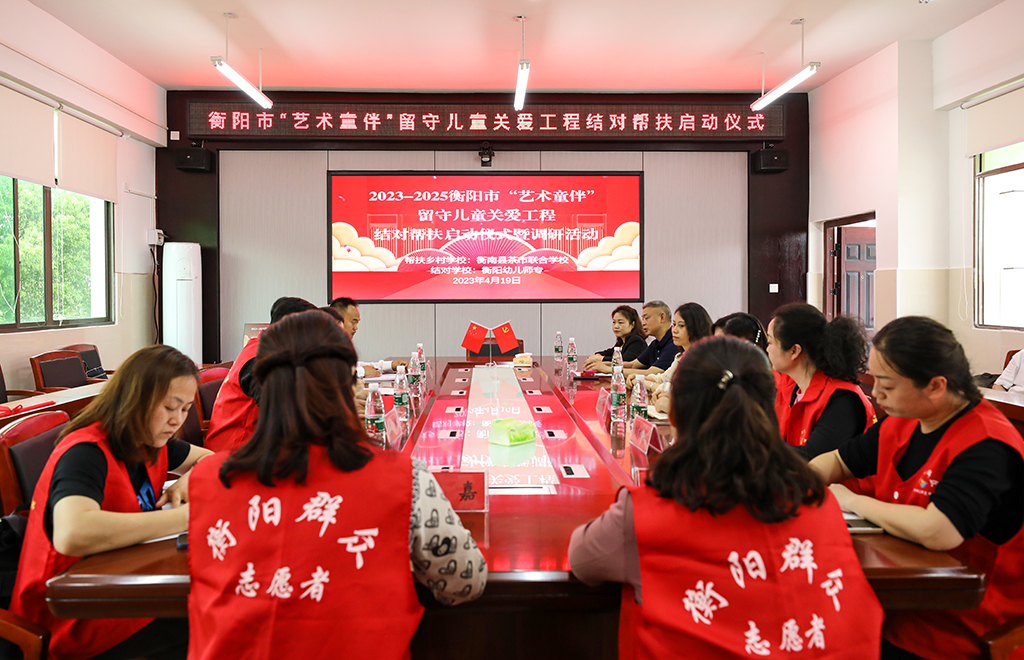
[(375, 417), (638, 400), (403, 401), (423, 369), (558, 347), (570, 357), (618, 413), (415, 385), (617, 357)]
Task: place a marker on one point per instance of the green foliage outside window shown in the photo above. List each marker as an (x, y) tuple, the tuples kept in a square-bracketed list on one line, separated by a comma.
[(78, 244)]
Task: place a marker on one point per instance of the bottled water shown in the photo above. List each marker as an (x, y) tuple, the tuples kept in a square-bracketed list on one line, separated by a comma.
[(617, 357), (638, 399), (423, 369), (375, 417), (570, 357), (558, 347), (415, 385), (618, 413), (403, 401)]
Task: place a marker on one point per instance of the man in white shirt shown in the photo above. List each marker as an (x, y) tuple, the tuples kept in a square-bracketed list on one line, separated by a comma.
[(1012, 378)]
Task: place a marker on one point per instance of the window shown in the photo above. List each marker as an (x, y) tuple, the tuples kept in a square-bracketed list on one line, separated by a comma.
[(55, 257)]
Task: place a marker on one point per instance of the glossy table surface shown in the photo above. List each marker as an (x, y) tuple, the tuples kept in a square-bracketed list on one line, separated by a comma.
[(524, 536)]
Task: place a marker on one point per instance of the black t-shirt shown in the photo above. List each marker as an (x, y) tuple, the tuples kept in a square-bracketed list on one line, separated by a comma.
[(981, 492), (844, 417), (82, 470), (250, 386)]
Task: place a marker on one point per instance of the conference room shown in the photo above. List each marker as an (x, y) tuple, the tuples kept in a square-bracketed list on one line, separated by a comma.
[(886, 149)]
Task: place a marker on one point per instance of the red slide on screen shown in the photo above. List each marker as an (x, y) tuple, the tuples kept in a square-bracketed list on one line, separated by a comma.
[(402, 237)]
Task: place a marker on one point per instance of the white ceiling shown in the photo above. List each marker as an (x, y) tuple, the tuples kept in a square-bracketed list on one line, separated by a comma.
[(473, 45)]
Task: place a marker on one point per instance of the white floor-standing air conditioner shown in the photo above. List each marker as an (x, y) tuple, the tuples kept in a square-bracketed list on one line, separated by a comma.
[(182, 296)]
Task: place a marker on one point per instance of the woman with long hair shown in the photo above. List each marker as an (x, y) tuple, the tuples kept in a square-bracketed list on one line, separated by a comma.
[(820, 404), (690, 323), (629, 338), (101, 490), (309, 529), (733, 539), (947, 472), (743, 326)]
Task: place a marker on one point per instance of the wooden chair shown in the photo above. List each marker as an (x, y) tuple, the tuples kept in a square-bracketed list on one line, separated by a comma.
[(91, 358), (59, 370), (5, 393), (867, 383), (25, 446), (999, 642), (1009, 356), (29, 636)]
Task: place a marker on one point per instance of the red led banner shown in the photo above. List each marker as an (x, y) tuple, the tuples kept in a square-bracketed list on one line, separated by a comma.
[(485, 122)]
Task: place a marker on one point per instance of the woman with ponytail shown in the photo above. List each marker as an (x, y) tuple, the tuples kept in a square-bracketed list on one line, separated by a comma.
[(819, 403), (733, 537), (309, 529)]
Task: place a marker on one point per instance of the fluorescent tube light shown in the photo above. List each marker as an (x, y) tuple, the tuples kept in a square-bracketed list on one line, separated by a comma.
[(770, 97), (524, 75), (241, 83)]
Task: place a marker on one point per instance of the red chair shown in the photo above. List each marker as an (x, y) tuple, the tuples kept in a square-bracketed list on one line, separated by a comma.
[(5, 393), (25, 446), (197, 422), (1009, 356), (91, 359), (59, 370)]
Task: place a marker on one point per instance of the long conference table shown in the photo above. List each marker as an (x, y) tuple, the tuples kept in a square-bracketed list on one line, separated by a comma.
[(533, 606)]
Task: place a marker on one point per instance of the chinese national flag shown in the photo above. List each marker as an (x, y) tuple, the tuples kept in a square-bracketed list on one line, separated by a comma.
[(506, 338), (474, 337)]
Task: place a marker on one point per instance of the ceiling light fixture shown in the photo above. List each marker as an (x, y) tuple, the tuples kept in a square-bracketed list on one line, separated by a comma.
[(524, 71), (805, 73), (221, 64)]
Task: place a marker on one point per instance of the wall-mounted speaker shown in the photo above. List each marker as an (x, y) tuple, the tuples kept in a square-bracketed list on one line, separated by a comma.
[(193, 159), (770, 161)]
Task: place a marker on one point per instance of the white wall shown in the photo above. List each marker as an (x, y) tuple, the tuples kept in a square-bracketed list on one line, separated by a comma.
[(43, 54), (273, 233), (887, 136)]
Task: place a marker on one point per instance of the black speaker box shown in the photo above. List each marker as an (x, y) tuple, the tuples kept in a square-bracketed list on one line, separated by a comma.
[(769, 161), (194, 159)]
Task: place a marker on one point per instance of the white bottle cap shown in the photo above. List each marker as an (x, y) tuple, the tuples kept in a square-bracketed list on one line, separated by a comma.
[(559, 333), (640, 377), (419, 346), (374, 387), (401, 368), (572, 339), (616, 370)]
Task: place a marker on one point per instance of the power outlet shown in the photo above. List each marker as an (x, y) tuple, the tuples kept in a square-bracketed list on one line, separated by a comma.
[(155, 237)]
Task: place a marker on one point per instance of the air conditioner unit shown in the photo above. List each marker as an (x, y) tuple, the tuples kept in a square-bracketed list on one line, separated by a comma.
[(182, 295)]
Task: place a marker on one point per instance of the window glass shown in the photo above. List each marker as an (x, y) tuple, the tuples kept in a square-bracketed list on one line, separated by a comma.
[(77, 229), (1000, 236), (30, 252), (8, 292)]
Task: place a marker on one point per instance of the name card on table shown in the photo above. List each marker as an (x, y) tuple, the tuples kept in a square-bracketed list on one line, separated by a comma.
[(644, 434), (466, 490), (393, 429), (604, 403)]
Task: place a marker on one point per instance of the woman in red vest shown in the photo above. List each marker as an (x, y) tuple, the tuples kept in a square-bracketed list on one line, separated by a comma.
[(234, 414), (304, 547), (734, 547), (948, 473), (101, 490), (819, 402)]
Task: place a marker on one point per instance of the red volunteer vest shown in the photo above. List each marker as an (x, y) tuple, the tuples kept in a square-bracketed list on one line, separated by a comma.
[(730, 586), (75, 638), (953, 633), (234, 415), (313, 570), (796, 423)]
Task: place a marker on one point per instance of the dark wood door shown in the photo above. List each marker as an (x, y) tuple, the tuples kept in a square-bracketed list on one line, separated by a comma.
[(857, 256)]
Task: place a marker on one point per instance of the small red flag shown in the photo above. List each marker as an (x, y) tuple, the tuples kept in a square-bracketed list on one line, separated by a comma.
[(475, 336), (506, 338)]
